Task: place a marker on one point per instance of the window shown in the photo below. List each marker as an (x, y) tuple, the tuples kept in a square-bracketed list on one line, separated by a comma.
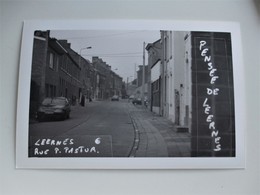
[(51, 60), (54, 61), (47, 90), (155, 86), (50, 90), (57, 63), (165, 48)]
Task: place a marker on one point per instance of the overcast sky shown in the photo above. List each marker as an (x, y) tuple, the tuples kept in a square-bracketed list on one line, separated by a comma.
[(122, 50)]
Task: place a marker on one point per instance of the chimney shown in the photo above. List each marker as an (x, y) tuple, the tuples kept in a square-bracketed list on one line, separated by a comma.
[(65, 43)]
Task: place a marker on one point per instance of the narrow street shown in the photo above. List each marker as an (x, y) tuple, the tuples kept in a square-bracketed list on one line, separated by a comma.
[(130, 131), (97, 118)]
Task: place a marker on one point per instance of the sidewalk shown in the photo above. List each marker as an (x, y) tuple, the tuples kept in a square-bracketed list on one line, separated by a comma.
[(156, 136)]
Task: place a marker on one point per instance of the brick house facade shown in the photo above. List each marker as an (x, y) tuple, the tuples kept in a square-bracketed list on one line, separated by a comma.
[(54, 72), (59, 71)]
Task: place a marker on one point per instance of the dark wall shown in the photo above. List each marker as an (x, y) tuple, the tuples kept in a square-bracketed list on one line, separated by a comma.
[(213, 119), (39, 55)]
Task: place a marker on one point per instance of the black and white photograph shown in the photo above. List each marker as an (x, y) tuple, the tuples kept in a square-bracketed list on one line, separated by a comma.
[(114, 97), (131, 94)]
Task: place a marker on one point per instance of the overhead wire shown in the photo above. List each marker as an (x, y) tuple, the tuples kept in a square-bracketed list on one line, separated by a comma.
[(131, 54), (106, 35), (112, 56)]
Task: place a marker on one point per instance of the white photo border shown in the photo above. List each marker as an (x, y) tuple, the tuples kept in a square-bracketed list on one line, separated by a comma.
[(22, 129)]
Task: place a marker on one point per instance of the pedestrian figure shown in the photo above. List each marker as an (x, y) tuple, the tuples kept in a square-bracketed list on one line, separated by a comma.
[(82, 101)]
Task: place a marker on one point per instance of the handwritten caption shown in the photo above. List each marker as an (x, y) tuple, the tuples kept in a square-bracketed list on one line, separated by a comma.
[(77, 146), (211, 92)]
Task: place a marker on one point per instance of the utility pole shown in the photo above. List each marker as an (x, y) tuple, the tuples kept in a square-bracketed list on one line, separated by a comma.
[(135, 75), (143, 78), (127, 86)]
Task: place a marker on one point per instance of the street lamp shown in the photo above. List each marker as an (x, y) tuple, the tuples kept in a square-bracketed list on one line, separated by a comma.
[(80, 53), (85, 48), (80, 67)]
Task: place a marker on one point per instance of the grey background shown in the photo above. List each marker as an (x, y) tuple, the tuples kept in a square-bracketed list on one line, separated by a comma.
[(13, 181)]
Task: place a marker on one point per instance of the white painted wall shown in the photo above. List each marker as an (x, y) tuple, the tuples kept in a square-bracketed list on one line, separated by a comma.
[(170, 114), (155, 71), (118, 182), (176, 77), (188, 88)]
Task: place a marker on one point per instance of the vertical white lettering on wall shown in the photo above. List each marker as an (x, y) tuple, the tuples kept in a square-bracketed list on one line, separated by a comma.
[(213, 120)]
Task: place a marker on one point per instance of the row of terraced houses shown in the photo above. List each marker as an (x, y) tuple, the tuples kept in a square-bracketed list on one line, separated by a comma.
[(57, 70)]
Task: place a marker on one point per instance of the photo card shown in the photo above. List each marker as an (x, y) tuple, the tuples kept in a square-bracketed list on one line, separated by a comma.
[(130, 94)]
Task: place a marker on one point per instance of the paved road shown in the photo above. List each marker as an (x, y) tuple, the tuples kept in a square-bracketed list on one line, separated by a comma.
[(125, 130), (99, 118)]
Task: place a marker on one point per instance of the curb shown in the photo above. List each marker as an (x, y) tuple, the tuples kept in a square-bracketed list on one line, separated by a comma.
[(136, 139)]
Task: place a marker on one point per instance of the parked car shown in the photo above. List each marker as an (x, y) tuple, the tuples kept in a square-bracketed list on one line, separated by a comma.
[(115, 98), (137, 101), (57, 107), (131, 97)]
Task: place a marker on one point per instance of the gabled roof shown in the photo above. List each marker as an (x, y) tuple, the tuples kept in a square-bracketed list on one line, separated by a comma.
[(149, 45)]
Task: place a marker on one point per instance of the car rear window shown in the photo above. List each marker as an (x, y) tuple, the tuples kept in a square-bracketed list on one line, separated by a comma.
[(54, 101)]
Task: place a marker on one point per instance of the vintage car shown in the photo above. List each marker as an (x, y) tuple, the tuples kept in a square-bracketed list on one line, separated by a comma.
[(57, 107), (137, 101), (115, 98)]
